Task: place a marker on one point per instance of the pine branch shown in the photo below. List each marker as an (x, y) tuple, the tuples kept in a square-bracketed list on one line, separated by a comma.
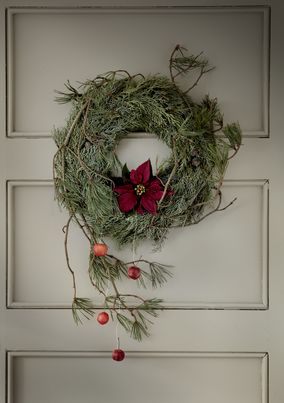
[(71, 95), (139, 326), (180, 64), (82, 308), (125, 322), (138, 330), (159, 274)]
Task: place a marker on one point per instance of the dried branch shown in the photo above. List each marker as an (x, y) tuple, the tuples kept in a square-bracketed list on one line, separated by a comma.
[(216, 209), (65, 229)]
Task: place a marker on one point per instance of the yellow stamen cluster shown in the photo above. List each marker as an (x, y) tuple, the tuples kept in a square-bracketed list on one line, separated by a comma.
[(140, 189)]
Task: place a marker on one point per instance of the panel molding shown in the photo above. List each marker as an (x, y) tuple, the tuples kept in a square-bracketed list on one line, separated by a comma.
[(263, 356), (10, 186), (185, 305), (11, 11)]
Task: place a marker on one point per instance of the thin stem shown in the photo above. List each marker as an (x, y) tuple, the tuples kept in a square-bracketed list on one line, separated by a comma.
[(217, 209), (91, 232), (96, 287), (234, 153), (66, 231), (77, 117), (82, 228), (189, 67), (171, 174), (118, 295), (133, 296), (132, 261), (202, 71), (84, 124), (88, 170), (177, 47)]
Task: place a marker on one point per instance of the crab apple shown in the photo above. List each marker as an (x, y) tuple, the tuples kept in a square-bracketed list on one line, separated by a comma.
[(118, 355), (103, 318), (134, 272), (100, 249)]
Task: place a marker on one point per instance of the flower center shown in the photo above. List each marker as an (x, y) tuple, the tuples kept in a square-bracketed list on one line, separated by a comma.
[(140, 189)]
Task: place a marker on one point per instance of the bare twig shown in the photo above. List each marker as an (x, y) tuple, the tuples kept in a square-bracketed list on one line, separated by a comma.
[(82, 228), (189, 67), (77, 117), (171, 174), (234, 153), (177, 47), (202, 71), (66, 231), (216, 209)]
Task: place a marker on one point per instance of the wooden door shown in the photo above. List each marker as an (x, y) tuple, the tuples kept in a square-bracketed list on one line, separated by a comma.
[(222, 332)]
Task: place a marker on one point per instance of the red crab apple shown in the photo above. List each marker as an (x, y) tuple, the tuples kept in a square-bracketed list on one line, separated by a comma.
[(103, 318), (118, 355), (100, 249), (134, 272)]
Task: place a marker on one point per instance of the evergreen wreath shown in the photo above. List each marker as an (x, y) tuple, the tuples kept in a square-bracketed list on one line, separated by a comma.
[(137, 205)]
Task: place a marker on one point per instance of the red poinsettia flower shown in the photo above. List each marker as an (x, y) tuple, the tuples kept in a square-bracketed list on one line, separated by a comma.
[(141, 192)]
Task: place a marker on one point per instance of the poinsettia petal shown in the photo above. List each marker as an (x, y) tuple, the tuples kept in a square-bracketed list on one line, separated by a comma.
[(144, 172), (136, 177), (149, 204), (140, 209), (127, 201), (155, 184), (123, 189), (125, 173), (155, 190), (156, 195)]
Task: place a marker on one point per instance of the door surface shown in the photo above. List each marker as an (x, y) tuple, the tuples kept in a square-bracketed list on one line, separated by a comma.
[(220, 338)]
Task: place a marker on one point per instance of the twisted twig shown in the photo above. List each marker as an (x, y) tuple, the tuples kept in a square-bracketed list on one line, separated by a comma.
[(65, 229)]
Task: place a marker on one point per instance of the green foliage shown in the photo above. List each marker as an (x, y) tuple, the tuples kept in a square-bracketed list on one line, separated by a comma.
[(233, 133), (104, 111), (138, 322), (83, 307)]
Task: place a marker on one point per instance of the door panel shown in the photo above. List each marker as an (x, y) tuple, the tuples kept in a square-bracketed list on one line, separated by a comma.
[(47, 47), (211, 280), (227, 377)]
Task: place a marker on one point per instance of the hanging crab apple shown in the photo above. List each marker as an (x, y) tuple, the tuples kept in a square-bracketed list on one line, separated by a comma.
[(118, 355), (134, 272), (103, 318), (100, 249)]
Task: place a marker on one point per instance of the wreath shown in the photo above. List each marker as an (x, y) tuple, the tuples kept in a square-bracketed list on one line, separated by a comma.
[(106, 199)]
